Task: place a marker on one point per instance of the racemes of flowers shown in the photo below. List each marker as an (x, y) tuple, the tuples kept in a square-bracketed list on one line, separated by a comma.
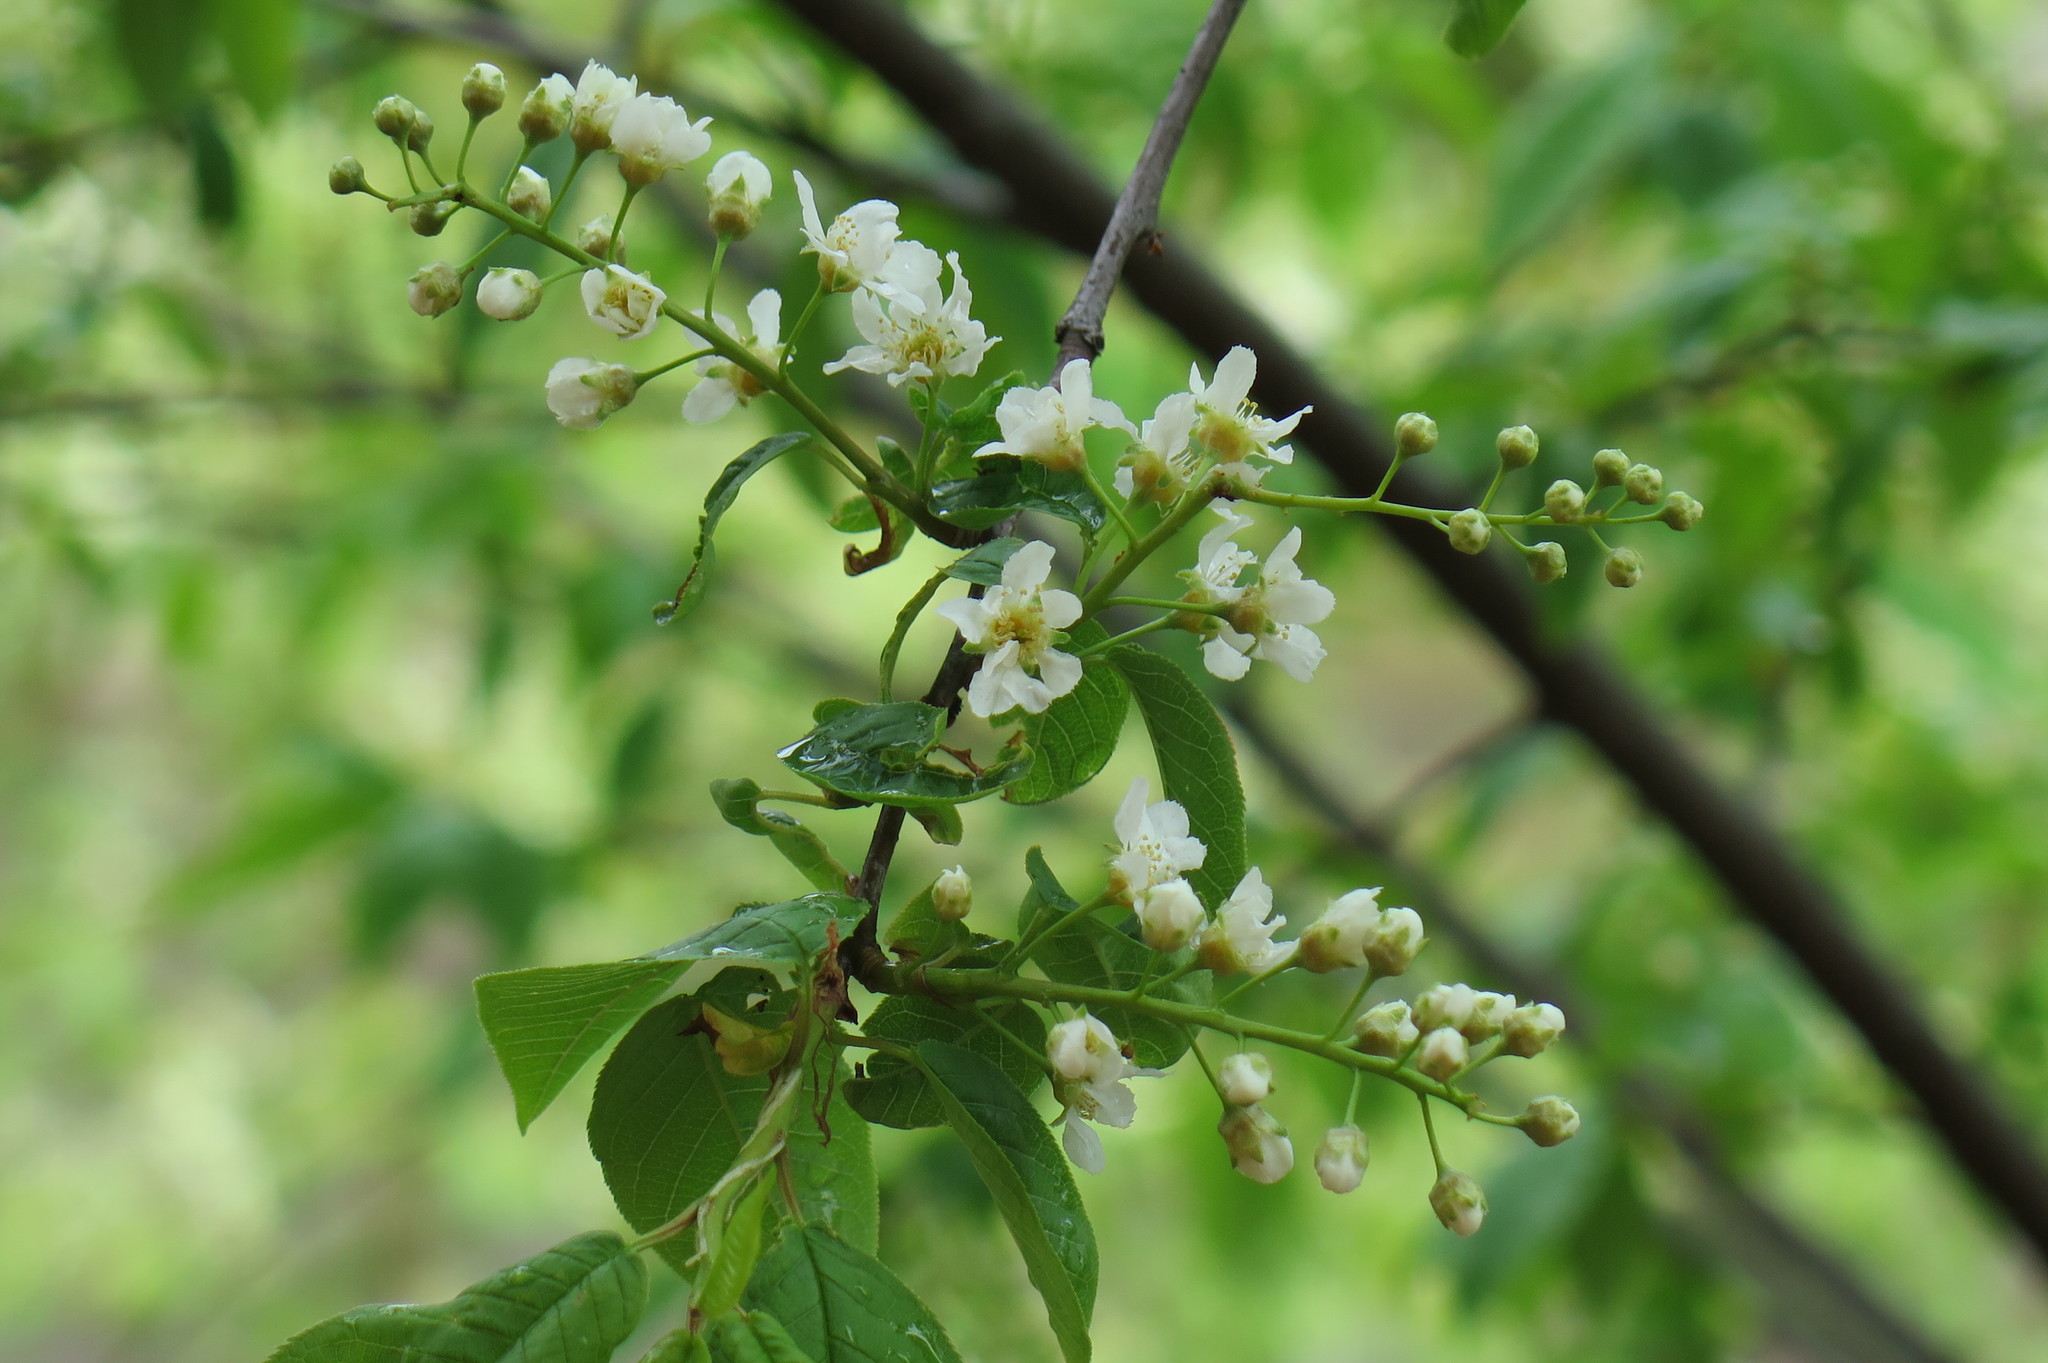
[(1061, 575)]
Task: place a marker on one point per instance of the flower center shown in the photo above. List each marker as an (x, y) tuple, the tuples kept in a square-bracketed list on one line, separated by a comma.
[(1024, 621)]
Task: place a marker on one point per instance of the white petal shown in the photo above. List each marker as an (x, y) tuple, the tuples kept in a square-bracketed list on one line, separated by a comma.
[(1061, 672), (1130, 815), (1083, 1146), (1060, 608), (709, 400), (1077, 386), (969, 614), (1115, 1104), (1234, 377), (765, 312), (1027, 568), (1225, 662)]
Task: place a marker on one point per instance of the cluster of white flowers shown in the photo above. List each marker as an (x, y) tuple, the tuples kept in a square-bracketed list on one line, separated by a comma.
[(1268, 619)]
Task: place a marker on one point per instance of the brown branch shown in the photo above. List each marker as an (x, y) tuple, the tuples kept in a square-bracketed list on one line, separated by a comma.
[(1058, 195), (1136, 216)]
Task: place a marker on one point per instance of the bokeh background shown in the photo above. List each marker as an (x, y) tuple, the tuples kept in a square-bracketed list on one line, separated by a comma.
[(328, 680)]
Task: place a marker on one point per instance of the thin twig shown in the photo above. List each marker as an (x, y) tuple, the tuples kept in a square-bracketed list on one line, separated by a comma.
[(1136, 218)]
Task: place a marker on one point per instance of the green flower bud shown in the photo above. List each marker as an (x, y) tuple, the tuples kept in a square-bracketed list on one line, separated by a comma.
[(531, 195), (1547, 561), (1459, 1202), (1608, 468), (1489, 1013), (1442, 1054), (429, 219), (346, 177), (1549, 1120), (434, 289), (1532, 1029), (1414, 434), (595, 237), (1564, 501), (1643, 484), (953, 895), (421, 132), (545, 114), (1469, 530), (1681, 512), (483, 90), (1517, 446), (394, 116), (1385, 1030), (1623, 567)]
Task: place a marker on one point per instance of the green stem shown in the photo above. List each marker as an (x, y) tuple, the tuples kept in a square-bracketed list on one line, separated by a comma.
[(1185, 510), (485, 250), (1429, 1125), (800, 797), (1158, 604), (1023, 948), (1387, 478), (462, 156), (1146, 986), (1195, 1048), (1351, 1008), (1268, 973), (969, 984), (905, 618), (555, 205), (717, 264), (677, 363), (619, 226), (1114, 505), (1351, 1103), (1499, 473), (1035, 1052), (525, 150), (802, 320), (1163, 622)]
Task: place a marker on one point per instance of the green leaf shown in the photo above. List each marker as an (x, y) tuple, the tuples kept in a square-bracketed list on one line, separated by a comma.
[(739, 804), (842, 1306), (1477, 26), (984, 563), (725, 489), (1093, 953), (897, 1094), (1004, 486), (260, 39), (157, 41), (679, 1346), (876, 754), (667, 1121), (1197, 765), (975, 425), (546, 1024), (941, 823), (791, 931), (1013, 1150), (723, 1277), (1077, 734), (854, 516), (1565, 141), (575, 1303)]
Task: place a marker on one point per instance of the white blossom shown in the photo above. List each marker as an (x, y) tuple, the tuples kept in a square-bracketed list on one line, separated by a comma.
[(1156, 847), (1169, 915), (622, 302), (1156, 468), (582, 392), (739, 183), (1336, 941), (855, 248), (1219, 562), (508, 295), (1239, 941), (1341, 1159), (725, 384), (1270, 619), (653, 134), (1013, 627), (1258, 1145), (1090, 1069), (919, 333), (599, 97), (1245, 1078), (1045, 424), (1442, 1054), (1229, 426)]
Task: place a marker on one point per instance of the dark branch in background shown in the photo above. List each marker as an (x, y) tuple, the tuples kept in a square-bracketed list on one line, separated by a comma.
[(1810, 1287), (1057, 195), (1136, 217)]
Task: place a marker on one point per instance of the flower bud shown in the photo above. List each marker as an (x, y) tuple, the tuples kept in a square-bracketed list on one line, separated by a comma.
[(1489, 1013), (545, 114), (346, 177), (1245, 1079), (483, 90), (1258, 1144), (1681, 512), (1623, 567), (1643, 484), (1444, 1005), (1459, 1202), (1393, 940), (1532, 1029), (1469, 530), (508, 295), (1609, 468), (1564, 502), (953, 895), (428, 219), (434, 289), (1083, 1049), (421, 132), (1385, 1030), (1517, 446), (1414, 434), (531, 195), (394, 116), (1549, 1120), (595, 237), (1168, 915), (582, 392), (1547, 561), (1442, 1054), (739, 185), (1341, 1159), (1336, 941)]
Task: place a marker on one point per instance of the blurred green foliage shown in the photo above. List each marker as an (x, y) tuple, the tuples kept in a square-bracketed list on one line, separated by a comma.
[(328, 680)]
